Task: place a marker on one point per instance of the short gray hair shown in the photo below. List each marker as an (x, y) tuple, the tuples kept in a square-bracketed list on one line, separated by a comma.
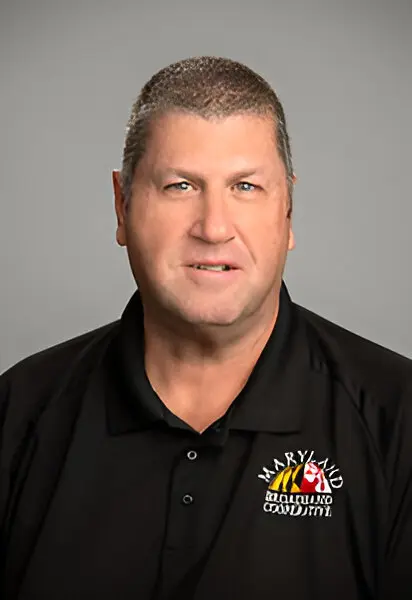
[(207, 86)]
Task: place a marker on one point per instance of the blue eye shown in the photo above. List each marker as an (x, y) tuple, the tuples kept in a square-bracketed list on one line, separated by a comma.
[(178, 186), (246, 186)]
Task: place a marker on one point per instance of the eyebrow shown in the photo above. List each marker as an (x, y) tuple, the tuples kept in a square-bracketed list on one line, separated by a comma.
[(198, 178)]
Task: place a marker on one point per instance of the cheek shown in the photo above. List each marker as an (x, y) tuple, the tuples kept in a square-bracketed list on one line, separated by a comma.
[(267, 233), (151, 234)]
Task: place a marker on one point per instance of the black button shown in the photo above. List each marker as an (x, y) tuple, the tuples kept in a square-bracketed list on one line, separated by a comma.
[(187, 499), (192, 455)]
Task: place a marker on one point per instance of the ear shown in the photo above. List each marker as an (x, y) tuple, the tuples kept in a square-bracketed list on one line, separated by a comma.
[(291, 242), (294, 180), (120, 208)]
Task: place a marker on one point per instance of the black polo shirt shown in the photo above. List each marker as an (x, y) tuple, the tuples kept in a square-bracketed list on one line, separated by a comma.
[(302, 489), (142, 492)]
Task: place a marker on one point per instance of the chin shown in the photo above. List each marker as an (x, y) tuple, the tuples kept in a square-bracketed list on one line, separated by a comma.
[(211, 310), (217, 316), (212, 320)]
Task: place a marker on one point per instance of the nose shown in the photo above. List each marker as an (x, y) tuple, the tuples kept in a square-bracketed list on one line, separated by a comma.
[(213, 223)]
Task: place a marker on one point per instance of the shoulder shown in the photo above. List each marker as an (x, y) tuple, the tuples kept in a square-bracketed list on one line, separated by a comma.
[(58, 357), (38, 376), (359, 363)]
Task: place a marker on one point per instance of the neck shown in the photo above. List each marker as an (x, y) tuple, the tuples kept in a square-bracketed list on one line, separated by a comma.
[(198, 374)]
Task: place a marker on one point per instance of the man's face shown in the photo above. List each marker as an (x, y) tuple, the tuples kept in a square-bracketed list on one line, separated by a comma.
[(208, 195)]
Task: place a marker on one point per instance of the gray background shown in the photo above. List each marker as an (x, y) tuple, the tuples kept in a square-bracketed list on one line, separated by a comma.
[(69, 74)]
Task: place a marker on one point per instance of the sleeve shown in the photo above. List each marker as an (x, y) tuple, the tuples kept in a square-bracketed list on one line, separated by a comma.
[(396, 580), (4, 398), (4, 401)]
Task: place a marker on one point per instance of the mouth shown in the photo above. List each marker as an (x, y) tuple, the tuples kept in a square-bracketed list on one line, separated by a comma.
[(218, 267)]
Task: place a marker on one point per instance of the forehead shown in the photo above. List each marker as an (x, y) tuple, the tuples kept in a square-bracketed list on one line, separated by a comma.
[(242, 138)]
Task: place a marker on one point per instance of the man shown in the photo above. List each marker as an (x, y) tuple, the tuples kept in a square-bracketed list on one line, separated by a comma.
[(219, 441)]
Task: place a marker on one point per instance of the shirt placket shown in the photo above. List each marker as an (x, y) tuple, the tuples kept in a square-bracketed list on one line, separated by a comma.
[(181, 540)]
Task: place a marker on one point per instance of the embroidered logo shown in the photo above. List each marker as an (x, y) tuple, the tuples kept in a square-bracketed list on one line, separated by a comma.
[(300, 485)]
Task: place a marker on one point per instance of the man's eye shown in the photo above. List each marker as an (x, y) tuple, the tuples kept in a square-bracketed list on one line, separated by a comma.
[(182, 186), (245, 186)]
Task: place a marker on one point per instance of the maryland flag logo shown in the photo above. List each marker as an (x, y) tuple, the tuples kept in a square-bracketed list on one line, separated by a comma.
[(300, 485), (306, 478)]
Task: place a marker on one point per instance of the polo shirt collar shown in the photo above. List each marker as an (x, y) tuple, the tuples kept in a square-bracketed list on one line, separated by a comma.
[(270, 401)]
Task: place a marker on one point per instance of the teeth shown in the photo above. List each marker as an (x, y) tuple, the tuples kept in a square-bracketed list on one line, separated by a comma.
[(213, 267)]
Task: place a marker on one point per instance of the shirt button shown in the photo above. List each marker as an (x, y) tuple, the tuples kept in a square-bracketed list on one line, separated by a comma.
[(192, 455), (187, 499)]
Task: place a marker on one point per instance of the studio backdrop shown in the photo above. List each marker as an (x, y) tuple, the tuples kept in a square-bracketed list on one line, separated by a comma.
[(69, 74)]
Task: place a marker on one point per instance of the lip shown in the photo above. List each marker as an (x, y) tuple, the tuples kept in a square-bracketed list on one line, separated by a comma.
[(213, 278), (213, 263)]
